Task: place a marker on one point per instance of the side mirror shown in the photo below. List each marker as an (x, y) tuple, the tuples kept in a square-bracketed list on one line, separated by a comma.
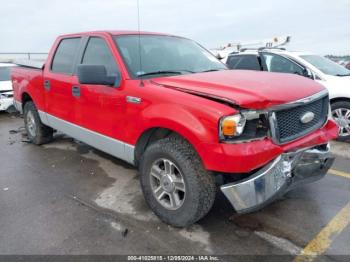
[(308, 73), (96, 75)]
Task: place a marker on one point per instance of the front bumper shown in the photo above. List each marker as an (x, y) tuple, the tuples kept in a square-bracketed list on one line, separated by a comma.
[(249, 156), (279, 176)]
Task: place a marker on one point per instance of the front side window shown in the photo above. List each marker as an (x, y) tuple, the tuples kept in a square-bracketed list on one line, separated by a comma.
[(326, 66), (147, 54), (246, 62), (280, 64), (5, 73), (63, 61), (97, 52)]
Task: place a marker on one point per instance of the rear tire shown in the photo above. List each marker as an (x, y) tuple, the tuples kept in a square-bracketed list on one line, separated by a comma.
[(194, 186), (341, 114), (37, 132)]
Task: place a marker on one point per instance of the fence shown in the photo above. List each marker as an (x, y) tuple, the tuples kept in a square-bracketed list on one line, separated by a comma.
[(11, 57)]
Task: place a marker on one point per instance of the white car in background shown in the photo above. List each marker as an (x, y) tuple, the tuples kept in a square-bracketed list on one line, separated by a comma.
[(6, 92), (333, 76)]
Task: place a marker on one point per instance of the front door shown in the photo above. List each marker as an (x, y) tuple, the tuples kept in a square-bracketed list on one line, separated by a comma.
[(280, 64), (101, 109)]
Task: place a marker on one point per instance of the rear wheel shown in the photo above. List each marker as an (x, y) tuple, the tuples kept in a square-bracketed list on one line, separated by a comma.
[(175, 184), (37, 132), (341, 114)]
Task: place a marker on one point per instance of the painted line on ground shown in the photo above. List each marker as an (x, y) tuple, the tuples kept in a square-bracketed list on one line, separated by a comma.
[(338, 173), (327, 235)]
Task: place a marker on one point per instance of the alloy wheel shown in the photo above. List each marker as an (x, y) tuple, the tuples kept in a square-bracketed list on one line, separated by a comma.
[(167, 183)]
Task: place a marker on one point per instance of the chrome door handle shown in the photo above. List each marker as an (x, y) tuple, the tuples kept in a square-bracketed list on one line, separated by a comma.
[(133, 99), (47, 85)]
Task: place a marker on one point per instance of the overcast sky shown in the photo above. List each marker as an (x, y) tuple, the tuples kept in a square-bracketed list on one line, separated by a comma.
[(321, 26)]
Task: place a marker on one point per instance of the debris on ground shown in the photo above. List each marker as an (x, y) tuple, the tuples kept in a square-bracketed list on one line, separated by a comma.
[(125, 232), (16, 131), (13, 132)]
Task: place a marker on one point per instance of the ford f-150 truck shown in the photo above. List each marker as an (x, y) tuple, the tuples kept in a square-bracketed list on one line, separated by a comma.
[(168, 106)]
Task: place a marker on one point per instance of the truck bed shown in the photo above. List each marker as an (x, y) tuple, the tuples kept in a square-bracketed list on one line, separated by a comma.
[(28, 78)]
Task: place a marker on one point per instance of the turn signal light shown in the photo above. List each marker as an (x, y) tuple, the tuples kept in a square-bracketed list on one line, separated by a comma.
[(231, 126), (228, 127)]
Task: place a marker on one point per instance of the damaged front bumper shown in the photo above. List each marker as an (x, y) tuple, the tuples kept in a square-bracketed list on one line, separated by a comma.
[(279, 176)]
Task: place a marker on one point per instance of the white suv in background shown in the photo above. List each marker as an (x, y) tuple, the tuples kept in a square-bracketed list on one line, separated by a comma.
[(333, 76), (6, 92)]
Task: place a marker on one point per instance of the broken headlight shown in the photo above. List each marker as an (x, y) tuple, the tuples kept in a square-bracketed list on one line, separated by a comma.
[(245, 126)]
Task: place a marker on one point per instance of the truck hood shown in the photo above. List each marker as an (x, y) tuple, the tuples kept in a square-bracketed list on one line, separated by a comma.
[(247, 89)]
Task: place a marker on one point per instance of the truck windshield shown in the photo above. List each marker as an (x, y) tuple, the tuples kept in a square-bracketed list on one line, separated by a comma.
[(5, 74), (326, 66), (164, 55)]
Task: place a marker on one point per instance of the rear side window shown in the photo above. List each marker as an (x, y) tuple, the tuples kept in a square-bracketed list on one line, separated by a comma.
[(246, 62), (97, 52), (63, 61)]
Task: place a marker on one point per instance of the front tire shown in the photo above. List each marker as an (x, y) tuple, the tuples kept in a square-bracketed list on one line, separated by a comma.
[(37, 132), (341, 114), (174, 182)]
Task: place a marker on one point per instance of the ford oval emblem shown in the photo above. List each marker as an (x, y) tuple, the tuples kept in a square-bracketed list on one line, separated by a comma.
[(307, 117)]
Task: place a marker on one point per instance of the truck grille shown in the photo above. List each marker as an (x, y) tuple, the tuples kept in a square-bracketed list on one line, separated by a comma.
[(288, 125)]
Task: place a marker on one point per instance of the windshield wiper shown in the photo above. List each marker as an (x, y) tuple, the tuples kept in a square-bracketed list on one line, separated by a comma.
[(161, 72), (212, 70)]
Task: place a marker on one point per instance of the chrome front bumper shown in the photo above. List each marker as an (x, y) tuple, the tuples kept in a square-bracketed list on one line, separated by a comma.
[(276, 178)]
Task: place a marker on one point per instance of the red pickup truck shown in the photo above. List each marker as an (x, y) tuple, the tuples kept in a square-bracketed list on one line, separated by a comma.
[(166, 105)]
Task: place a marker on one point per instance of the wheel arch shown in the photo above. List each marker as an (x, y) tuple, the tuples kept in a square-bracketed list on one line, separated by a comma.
[(25, 97), (339, 99), (156, 133)]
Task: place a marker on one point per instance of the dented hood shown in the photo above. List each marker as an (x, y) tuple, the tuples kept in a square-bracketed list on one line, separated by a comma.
[(247, 89)]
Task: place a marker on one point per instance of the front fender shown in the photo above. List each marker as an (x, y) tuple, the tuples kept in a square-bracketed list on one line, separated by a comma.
[(194, 125)]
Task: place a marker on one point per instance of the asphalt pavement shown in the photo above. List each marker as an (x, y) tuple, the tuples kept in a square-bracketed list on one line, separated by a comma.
[(68, 198)]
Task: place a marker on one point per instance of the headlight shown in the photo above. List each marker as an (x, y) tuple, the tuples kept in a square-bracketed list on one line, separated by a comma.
[(247, 125)]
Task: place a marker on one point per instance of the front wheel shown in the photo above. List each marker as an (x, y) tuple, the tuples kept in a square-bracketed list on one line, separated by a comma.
[(175, 184), (341, 114)]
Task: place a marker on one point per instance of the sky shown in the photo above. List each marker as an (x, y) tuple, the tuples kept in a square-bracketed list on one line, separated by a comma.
[(320, 26)]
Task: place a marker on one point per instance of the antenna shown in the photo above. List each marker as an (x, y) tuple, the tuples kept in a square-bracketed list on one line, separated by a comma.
[(139, 42)]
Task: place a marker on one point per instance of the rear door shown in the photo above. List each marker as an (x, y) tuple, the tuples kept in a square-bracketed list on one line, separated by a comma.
[(58, 82)]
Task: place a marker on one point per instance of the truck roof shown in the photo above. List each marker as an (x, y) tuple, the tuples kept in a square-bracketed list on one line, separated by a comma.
[(276, 51), (116, 32)]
